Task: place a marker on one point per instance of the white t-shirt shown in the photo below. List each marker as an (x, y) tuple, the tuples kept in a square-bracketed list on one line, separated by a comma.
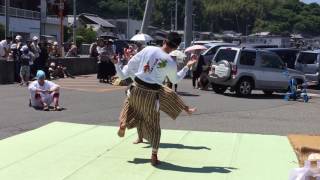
[(47, 98), (152, 65), (3, 44)]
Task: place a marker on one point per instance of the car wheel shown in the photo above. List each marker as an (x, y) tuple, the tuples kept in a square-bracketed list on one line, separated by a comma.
[(267, 92), (218, 88), (244, 87)]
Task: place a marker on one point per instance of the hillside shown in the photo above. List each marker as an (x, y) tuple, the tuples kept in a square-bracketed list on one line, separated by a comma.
[(245, 16)]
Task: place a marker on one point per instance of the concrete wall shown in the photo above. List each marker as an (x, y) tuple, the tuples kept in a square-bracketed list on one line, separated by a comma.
[(6, 72), (76, 66)]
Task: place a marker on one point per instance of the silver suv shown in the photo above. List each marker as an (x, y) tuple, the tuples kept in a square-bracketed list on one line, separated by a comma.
[(308, 62), (244, 69)]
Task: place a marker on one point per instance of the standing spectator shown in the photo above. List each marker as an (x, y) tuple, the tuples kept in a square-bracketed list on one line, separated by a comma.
[(101, 61), (19, 42), (35, 49), (168, 82), (43, 58), (25, 59), (4, 47), (14, 54), (110, 53), (93, 49), (203, 69), (106, 68), (73, 51), (195, 71)]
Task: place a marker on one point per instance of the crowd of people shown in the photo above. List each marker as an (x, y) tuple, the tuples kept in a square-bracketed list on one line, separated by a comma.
[(29, 56), (105, 51)]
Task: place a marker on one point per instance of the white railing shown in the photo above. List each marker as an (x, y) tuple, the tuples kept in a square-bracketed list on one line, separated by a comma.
[(21, 13)]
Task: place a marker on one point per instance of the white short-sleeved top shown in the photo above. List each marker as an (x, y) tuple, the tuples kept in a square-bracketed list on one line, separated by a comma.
[(152, 65)]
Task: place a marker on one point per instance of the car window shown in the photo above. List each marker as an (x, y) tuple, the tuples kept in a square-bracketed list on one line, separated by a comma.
[(248, 58), (225, 54), (307, 58), (288, 57), (270, 60), (212, 51)]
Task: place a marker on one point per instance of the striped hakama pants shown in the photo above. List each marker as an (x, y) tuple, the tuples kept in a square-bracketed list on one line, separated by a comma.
[(140, 110)]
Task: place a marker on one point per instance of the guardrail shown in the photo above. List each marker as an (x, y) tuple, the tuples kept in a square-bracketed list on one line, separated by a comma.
[(21, 13)]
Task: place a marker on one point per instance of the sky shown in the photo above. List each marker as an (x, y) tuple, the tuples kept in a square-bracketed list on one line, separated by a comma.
[(311, 1)]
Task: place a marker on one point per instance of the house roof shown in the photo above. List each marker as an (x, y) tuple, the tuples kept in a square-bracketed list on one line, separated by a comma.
[(98, 20)]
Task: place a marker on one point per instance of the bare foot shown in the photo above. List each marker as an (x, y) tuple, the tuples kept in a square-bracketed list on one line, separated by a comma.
[(138, 141), (121, 132), (191, 110), (154, 160)]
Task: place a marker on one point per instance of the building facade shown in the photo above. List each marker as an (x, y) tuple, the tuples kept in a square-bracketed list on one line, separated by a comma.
[(25, 16)]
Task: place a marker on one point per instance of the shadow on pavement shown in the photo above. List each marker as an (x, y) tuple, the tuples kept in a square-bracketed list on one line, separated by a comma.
[(180, 146), (172, 167), (257, 96), (187, 94)]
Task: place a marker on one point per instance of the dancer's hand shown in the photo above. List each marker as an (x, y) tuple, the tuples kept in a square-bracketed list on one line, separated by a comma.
[(115, 60), (191, 63), (190, 111)]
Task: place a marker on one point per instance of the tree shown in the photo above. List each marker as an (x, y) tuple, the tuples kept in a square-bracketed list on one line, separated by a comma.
[(276, 16), (86, 35)]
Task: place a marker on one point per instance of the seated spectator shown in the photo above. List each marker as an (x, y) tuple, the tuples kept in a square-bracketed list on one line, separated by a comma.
[(58, 71), (73, 51), (54, 51), (43, 93)]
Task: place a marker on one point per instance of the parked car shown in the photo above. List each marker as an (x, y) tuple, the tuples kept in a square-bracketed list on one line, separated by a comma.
[(258, 46), (182, 44), (212, 49), (308, 63), (287, 55), (246, 69)]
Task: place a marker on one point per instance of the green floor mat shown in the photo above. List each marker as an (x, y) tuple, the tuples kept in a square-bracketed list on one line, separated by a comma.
[(65, 151)]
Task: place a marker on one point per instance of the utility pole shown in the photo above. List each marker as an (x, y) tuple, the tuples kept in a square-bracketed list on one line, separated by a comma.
[(188, 23), (7, 6), (147, 16), (43, 14), (74, 21), (176, 17), (171, 19), (61, 8), (128, 21)]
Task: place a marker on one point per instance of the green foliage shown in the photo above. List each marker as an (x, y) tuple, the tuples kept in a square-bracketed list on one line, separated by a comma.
[(245, 16), (85, 35)]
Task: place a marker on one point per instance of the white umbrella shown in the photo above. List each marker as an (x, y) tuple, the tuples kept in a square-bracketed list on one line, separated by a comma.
[(178, 54), (195, 47), (141, 37)]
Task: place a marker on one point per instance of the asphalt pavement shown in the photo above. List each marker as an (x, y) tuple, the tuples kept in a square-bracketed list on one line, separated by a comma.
[(89, 102)]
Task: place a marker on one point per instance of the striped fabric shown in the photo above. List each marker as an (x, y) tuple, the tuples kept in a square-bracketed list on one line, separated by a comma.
[(140, 111)]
